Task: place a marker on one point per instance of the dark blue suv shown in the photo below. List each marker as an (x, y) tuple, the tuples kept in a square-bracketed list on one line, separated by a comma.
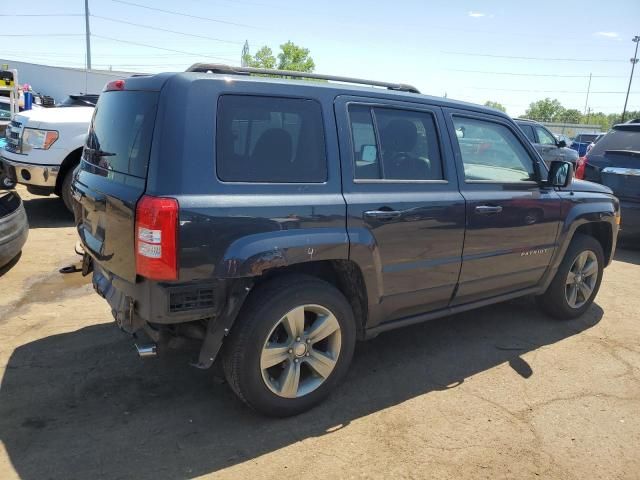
[(278, 221)]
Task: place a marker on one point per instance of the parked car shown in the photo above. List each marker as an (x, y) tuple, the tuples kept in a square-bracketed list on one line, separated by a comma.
[(278, 221), (44, 147), (5, 115), (545, 142), (582, 141), (595, 140), (14, 227), (615, 162)]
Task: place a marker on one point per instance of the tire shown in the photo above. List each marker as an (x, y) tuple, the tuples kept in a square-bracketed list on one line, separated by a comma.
[(267, 318), (65, 189), (557, 300)]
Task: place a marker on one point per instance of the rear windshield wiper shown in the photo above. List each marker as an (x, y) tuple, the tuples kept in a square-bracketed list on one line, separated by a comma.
[(99, 153)]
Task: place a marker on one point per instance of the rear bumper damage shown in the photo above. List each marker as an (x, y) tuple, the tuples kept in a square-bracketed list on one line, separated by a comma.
[(153, 307)]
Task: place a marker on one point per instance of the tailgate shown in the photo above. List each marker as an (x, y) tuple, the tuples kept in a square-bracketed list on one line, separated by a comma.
[(112, 177), (622, 174)]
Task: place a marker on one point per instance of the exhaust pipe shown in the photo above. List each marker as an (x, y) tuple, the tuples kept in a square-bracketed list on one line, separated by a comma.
[(147, 350)]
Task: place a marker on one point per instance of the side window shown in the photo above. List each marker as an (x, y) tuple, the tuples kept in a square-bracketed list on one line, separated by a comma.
[(270, 140), (394, 144), (528, 131), (491, 152), (544, 137)]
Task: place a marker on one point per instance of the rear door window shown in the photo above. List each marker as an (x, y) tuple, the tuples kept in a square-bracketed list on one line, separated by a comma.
[(270, 140), (394, 144), (528, 131), (120, 134)]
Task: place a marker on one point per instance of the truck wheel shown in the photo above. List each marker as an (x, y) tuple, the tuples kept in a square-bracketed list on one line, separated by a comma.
[(65, 189), (577, 281), (290, 346)]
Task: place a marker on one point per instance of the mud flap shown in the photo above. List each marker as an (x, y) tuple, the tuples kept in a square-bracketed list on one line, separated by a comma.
[(219, 327)]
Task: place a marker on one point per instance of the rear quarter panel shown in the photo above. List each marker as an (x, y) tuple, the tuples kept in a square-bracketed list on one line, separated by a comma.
[(232, 230)]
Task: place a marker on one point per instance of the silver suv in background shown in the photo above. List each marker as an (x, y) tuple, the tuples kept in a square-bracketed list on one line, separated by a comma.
[(545, 142)]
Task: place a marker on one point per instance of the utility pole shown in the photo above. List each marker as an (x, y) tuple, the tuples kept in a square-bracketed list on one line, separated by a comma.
[(244, 54), (586, 102), (87, 33), (634, 60)]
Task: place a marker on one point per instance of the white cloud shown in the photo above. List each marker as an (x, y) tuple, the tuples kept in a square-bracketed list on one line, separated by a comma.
[(607, 34), (476, 14)]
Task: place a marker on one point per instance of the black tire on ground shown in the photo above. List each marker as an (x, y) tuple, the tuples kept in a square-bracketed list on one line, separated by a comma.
[(264, 308), (554, 301), (65, 189)]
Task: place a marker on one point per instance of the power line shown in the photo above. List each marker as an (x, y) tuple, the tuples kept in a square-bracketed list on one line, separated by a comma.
[(158, 48), (41, 34), (537, 91), (167, 30), (534, 74), (514, 57), (171, 12), (41, 14)]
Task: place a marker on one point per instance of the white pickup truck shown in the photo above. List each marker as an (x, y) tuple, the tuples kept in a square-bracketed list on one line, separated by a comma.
[(45, 145)]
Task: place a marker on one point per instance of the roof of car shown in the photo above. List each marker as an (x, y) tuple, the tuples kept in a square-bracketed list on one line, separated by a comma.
[(526, 120), (155, 82)]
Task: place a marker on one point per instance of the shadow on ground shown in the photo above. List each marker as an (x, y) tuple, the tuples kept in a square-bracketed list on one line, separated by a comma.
[(628, 255), (81, 405), (47, 212)]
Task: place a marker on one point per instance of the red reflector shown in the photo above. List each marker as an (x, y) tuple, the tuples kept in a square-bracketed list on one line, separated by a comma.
[(114, 85), (157, 238), (580, 167)]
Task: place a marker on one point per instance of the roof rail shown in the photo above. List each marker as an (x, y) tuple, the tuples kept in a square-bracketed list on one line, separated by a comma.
[(231, 70)]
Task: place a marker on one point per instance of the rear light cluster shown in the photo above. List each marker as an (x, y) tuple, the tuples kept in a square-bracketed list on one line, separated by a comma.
[(581, 164), (114, 85), (157, 238)]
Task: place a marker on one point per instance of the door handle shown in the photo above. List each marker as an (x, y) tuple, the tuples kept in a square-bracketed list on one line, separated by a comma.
[(382, 214), (488, 209)]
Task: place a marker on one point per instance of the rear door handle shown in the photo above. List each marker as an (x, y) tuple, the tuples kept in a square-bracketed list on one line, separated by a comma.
[(488, 209), (382, 214)]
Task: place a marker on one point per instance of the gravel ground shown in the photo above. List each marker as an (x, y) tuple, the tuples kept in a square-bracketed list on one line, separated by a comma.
[(501, 392)]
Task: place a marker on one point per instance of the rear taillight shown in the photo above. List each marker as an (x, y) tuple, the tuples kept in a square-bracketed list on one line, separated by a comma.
[(114, 85), (581, 164), (157, 238)]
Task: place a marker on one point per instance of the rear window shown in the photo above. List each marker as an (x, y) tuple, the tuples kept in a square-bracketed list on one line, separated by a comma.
[(270, 140), (618, 139), (120, 134), (586, 138)]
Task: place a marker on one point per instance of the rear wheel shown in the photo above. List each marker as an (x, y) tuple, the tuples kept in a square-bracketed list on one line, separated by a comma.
[(577, 281), (291, 344)]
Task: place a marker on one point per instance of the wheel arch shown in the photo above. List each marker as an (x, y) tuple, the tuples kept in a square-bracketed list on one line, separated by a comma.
[(69, 163)]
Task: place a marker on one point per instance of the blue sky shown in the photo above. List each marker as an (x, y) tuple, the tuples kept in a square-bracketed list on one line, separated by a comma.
[(460, 48)]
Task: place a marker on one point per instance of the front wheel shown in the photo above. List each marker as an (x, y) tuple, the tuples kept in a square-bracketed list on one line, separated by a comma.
[(65, 189), (291, 344), (577, 281)]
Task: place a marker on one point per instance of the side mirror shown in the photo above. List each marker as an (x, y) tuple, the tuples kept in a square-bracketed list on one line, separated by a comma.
[(561, 144), (560, 174)]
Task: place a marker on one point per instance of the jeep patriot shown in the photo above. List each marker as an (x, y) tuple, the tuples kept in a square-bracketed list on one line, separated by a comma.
[(277, 221)]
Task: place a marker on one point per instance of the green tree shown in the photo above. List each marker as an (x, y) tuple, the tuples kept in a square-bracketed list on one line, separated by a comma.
[(546, 110), (496, 105), (262, 59), (571, 115), (293, 57)]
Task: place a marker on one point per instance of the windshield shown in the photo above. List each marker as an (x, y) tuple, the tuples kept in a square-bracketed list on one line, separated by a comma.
[(586, 138), (79, 101), (618, 139)]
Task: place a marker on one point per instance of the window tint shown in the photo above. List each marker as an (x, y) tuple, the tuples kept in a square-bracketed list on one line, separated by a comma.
[(400, 145), (544, 137), (528, 131), (270, 139), (618, 139), (490, 151), (119, 138)]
